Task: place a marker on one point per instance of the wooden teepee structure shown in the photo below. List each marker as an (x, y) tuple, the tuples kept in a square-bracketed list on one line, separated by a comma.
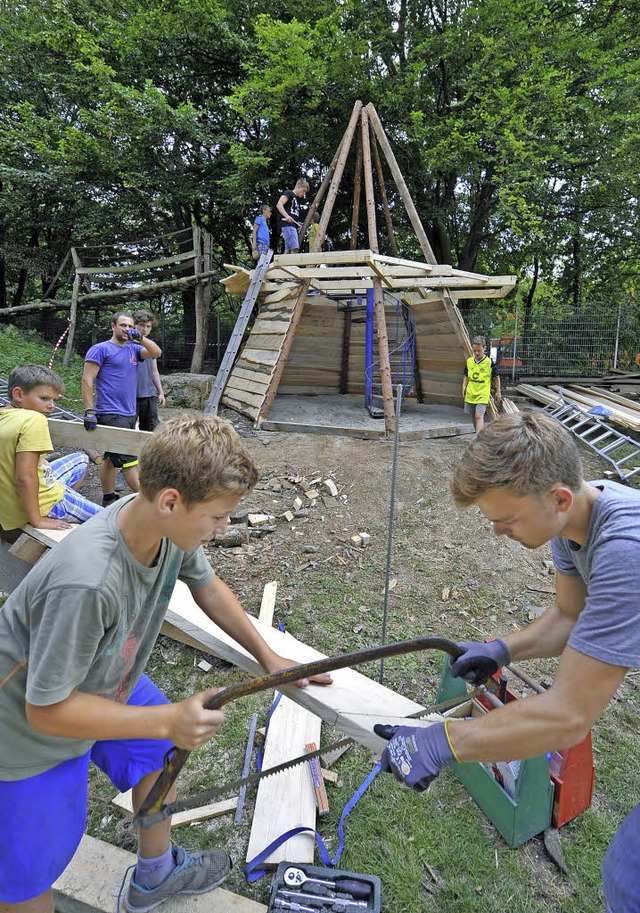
[(307, 338)]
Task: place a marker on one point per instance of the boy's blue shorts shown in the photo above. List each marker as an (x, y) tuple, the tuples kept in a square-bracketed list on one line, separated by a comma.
[(44, 817)]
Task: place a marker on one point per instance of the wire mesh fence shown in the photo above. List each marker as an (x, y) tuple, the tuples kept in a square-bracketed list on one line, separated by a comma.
[(554, 342)]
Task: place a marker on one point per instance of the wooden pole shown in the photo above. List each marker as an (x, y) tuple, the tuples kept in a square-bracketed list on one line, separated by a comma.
[(378, 298), (357, 188), (276, 377), (383, 196), (452, 311), (201, 316), (73, 311)]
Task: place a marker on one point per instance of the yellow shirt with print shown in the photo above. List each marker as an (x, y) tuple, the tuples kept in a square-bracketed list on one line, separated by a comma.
[(21, 431), (479, 375)]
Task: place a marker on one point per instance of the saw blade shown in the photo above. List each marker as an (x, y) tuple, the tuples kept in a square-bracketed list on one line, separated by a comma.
[(334, 749)]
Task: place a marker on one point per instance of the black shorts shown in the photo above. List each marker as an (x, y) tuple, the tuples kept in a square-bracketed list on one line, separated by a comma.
[(147, 412), (119, 460)]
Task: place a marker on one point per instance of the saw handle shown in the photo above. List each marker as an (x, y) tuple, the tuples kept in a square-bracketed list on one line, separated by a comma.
[(175, 758)]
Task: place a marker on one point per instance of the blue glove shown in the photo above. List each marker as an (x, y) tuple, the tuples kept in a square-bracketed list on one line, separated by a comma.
[(480, 661), (134, 334), (415, 756), (90, 420)]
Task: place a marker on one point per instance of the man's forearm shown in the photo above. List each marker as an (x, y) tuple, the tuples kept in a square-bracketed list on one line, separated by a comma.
[(545, 637), (87, 393), (151, 347)]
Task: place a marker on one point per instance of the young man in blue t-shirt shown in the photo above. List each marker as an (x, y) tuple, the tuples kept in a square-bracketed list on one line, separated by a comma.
[(113, 367), (524, 473)]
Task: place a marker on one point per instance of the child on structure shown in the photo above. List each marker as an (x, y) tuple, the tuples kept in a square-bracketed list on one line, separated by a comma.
[(149, 392), (289, 208), (480, 380), (75, 636), (260, 234), (313, 229), (32, 490)]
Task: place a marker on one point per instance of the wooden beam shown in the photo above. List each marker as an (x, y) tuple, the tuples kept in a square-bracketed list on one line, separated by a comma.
[(116, 440), (304, 287), (378, 299), (91, 884)]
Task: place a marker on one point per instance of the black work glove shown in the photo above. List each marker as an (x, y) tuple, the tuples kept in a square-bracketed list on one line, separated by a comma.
[(480, 660), (90, 420), (134, 334), (414, 755)]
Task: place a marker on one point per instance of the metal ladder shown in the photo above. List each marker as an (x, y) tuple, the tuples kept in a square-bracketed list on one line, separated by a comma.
[(238, 333), (612, 445)]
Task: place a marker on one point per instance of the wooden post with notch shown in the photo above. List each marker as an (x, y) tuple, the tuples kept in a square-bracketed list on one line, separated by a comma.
[(378, 298), (304, 285)]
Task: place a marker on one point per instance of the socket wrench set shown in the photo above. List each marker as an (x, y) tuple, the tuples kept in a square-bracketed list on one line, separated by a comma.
[(305, 888)]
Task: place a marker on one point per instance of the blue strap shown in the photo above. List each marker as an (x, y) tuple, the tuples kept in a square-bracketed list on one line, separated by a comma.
[(251, 870)]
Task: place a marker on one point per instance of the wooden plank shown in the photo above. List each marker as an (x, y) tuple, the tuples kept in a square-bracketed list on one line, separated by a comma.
[(134, 267), (116, 440), (338, 257), (287, 799), (258, 356), (28, 549), (203, 813), (346, 704), (242, 408), (268, 604), (91, 884), (241, 383)]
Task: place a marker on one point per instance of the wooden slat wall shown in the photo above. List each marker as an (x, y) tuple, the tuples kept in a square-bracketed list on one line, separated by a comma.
[(439, 354), (315, 359)]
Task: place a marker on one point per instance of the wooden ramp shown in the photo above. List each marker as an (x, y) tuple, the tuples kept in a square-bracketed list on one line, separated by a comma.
[(251, 375)]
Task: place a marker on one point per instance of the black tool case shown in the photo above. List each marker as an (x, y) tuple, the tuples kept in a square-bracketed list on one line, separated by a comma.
[(362, 896)]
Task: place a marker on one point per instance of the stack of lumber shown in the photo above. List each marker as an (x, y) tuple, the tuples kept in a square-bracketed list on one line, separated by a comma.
[(624, 411)]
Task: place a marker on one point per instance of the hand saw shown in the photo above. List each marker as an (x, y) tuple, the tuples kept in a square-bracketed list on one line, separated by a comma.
[(233, 786), (152, 807)]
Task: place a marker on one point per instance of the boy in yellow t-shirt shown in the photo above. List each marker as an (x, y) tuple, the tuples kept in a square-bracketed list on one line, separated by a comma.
[(479, 382), (31, 489)]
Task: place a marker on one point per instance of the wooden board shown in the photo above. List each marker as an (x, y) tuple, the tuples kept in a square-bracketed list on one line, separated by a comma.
[(203, 813), (353, 703), (287, 799), (91, 882), (116, 440)]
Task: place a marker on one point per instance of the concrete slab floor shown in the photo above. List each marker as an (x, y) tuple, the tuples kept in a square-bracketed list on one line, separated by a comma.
[(348, 415)]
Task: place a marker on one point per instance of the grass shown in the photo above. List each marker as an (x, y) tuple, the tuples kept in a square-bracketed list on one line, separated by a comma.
[(17, 348)]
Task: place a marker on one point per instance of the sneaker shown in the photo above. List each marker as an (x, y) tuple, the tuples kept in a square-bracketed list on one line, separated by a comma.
[(192, 875), (109, 499)]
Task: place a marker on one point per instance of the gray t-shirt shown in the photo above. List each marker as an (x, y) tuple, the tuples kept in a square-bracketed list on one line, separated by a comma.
[(608, 628), (86, 617)]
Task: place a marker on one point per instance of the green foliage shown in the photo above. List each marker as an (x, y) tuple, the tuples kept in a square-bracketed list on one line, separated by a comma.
[(19, 349)]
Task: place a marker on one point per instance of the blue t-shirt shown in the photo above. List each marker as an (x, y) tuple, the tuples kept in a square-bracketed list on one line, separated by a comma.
[(116, 381), (608, 628), (262, 234), (146, 386)]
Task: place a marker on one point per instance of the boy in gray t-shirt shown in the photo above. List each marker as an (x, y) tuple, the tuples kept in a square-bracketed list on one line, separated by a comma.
[(524, 473), (75, 637)]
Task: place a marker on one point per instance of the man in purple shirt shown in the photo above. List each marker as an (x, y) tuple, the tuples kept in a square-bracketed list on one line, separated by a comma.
[(113, 367)]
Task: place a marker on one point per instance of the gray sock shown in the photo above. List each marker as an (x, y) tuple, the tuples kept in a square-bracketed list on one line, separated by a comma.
[(152, 872)]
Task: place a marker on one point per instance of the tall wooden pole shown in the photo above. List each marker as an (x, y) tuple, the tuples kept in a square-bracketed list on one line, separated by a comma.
[(378, 298), (304, 285), (383, 196), (454, 315)]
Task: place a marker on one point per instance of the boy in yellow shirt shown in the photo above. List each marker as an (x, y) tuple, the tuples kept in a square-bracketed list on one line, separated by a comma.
[(480, 380), (31, 489)]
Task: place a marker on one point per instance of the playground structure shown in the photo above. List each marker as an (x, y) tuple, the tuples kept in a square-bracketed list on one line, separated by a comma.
[(324, 317)]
